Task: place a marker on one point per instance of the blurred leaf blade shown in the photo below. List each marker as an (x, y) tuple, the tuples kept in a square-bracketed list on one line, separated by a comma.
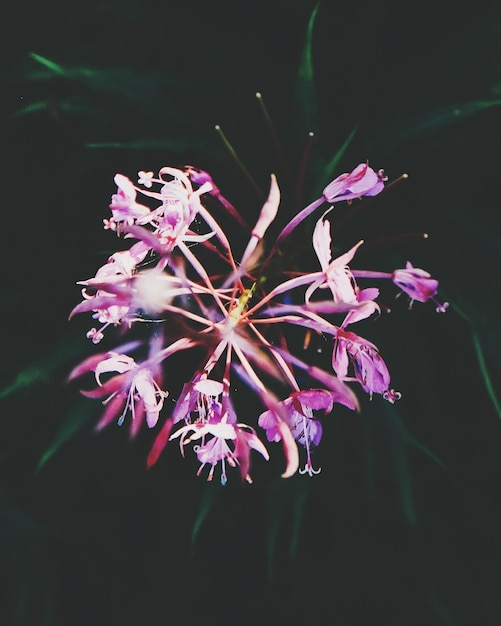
[(305, 86), (169, 144), (207, 501), (396, 435), (485, 373), (64, 352), (79, 418), (430, 122), (148, 91), (50, 65), (330, 169)]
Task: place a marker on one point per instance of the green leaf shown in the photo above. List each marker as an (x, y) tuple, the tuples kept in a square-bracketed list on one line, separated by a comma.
[(431, 121), (69, 106), (305, 88), (397, 439), (66, 350), (485, 373), (330, 170), (144, 89), (171, 144), (211, 492), (79, 418), (53, 67)]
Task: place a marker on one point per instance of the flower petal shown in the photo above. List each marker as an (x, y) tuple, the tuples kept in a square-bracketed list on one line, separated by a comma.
[(290, 450), (160, 442)]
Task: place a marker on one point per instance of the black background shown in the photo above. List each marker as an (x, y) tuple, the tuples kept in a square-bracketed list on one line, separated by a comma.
[(385, 533)]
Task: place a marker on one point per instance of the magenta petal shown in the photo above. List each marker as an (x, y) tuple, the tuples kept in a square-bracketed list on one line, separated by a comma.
[(342, 393), (242, 453), (269, 422), (98, 302), (315, 399), (160, 442), (113, 408), (109, 387), (137, 419), (88, 365)]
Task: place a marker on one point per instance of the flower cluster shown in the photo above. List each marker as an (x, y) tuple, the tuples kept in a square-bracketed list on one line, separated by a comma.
[(235, 321)]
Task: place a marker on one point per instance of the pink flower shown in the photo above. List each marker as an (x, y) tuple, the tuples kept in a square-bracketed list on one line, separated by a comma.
[(337, 276), (297, 412), (133, 389), (124, 208), (201, 396), (369, 368), (179, 207), (111, 300), (363, 181), (224, 443), (237, 314), (418, 285)]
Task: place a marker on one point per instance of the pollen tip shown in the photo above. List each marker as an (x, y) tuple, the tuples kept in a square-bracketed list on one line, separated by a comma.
[(425, 235), (311, 134), (405, 175), (258, 95), (217, 127)]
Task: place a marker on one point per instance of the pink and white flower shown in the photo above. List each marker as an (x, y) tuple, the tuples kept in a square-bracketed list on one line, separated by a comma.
[(362, 181), (222, 443), (238, 317), (133, 388), (418, 285), (368, 366)]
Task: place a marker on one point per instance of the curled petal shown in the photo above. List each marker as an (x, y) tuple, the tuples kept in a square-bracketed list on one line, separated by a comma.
[(99, 303), (107, 388), (266, 217), (88, 365), (290, 450), (114, 363)]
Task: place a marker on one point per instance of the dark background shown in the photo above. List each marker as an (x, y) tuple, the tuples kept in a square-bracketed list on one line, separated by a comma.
[(402, 525)]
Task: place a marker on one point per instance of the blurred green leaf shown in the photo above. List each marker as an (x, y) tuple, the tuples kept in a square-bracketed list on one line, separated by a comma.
[(79, 418), (485, 373), (330, 169), (147, 90), (68, 348), (70, 106), (207, 501), (396, 434), (399, 439), (305, 87), (430, 122), (54, 67), (171, 144)]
